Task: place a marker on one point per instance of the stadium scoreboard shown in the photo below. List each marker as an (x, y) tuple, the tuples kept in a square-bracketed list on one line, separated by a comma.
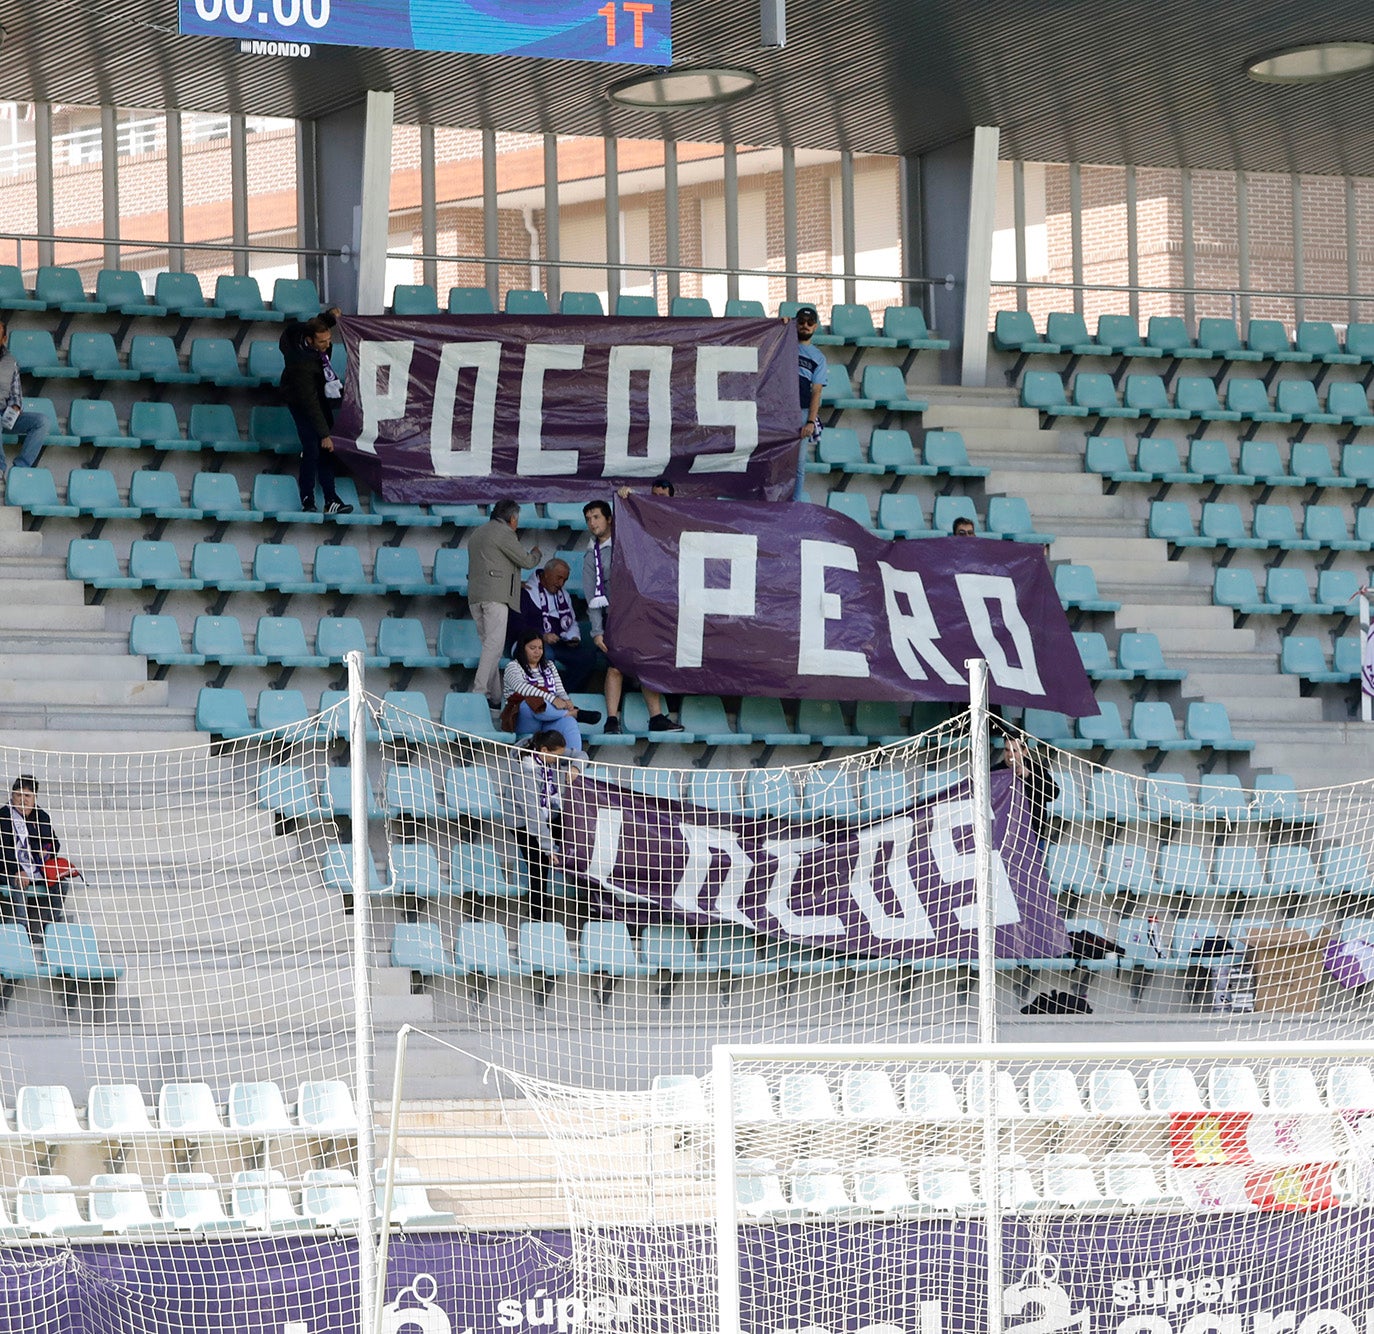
[(618, 31)]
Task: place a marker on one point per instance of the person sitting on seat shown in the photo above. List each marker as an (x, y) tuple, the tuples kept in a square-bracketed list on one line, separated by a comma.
[(534, 698), (546, 609), (34, 896)]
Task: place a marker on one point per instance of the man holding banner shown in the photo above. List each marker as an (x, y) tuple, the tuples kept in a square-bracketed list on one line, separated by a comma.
[(495, 562)]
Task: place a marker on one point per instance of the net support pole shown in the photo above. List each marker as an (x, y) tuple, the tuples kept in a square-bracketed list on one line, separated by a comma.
[(362, 985), (727, 1218), (981, 786), (389, 1189), (1366, 670)]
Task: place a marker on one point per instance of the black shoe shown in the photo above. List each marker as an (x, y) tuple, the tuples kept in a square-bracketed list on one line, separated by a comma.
[(612, 727), (308, 506), (336, 506), (660, 722), (589, 716)]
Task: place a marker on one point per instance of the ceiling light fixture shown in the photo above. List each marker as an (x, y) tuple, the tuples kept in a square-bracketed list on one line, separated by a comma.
[(1312, 64), (669, 89)]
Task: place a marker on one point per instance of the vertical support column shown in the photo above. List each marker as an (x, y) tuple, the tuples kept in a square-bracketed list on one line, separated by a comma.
[(1189, 253), (176, 220), (1366, 665), (42, 165), (1018, 213), (981, 785), (1076, 233), (309, 223), (727, 1218), (913, 236), (362, 986), (982, 214), (429, 220), (731, 184), (790, 247), (1299, 262), (848, 238), (672, 222), (613, 256), (238, 188), (1132, 243), (553, 275), (491, 221), (1352, 250), (374, 208), (109, 181), (1243, 247)]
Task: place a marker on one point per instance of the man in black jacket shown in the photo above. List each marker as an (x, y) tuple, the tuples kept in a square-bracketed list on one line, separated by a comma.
[(27, 840), (311, 390)]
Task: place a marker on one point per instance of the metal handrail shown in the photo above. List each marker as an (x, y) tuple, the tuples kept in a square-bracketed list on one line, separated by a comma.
[(132, 243)]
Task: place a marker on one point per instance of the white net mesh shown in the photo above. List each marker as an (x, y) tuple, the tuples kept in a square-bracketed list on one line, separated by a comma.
[(180, 1051)]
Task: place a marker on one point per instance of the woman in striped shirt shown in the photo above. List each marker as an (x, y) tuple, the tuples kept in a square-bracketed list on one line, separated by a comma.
[(533, 680)]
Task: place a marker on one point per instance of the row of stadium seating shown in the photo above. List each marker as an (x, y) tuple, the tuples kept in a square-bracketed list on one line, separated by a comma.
[(1287, 592), (1053, 1092), (155, 425), (1201, 871), (120, 291), (260, 1200), (1260, 463), (71, 953), (1146, 397), (1272, 526), (1167, 336), (1109, 795), (152, 357), (1154, 726)]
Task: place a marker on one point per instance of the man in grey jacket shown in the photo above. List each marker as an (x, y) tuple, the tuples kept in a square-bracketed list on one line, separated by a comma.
[(495, 562), (30, 427)]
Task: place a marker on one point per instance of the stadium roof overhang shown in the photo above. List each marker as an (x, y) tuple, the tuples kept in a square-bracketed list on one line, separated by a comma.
[(1110, 81)]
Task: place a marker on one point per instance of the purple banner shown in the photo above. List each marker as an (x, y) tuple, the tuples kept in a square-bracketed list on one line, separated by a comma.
[(1089, 1274), (449, 409), (896, 887), (799, 602)]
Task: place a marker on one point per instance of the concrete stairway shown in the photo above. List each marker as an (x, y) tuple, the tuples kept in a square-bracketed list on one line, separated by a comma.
[(1171, 598), (67, 682)]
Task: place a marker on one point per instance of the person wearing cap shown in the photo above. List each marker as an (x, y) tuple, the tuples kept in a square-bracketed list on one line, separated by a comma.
[(28, 894), (812, 378), (662, 489)]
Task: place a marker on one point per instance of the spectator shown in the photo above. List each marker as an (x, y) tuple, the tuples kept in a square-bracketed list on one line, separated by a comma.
[(1028, 767), (32, 427), (963, 527), (596, 587), (546, 609), (34, 894), (312, 391), (536, 810), (534, 697), (495, 562), (662, 487), (812, 380)]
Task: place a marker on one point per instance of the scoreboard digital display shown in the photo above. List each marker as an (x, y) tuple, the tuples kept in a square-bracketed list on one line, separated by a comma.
[(618, 31)]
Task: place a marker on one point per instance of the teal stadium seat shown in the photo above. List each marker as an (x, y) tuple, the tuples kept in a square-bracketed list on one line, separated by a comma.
[(1261, 460), (97, 358), (525, 301), (1068, 329), (296, 298), (1168, 334), (1158, 457), (1348, 401), (218, 565), (402, 641), (946, 453), (840, 451), (154, 357), (181, 294), (122, 290), (853, 324), (220, 639), (1251, 399), (1270, 339), (271, 428), (477, 301), (156, 564), (695, 307), (1325, 526), (1359, 341), (1106, 456), (340, 570), (57, 438), (216, 494), (240, 297), (1096, 657), (1318, 339), (907, 325), (891, 451), (740, 309), (1095, 392), (589, 303), (900, 513), (62, 289), (222, 711), (94, 491), (414, 299), (1310, 464), (839, 393), (1009, 518), (1044, 391), (1077, 589), (1139, 654), (36, 355), (93, 561), (278, 497), (13, 294), (1276, 527), (1197, 394), (216, 362), (1147, 394), (1015, 331), (156, 425), (34, 491), (93, 421), (265, 361), (642, 307), (281, 639), (1121, 334), (337, 635), (1222, 339), (1298, 398), (1209, 724)]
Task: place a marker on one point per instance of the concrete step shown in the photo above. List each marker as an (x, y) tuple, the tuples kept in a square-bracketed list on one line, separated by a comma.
[(70, 643), (58, 726), (14, 541), (35, 587), (1316, 757), (1178, 642), (978, 415), (14, 663), (145, 732), (78, 693), (27, 617), (1152, 616)]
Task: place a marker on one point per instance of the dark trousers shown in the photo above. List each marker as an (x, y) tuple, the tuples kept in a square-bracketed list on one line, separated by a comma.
[(541, 900), (317, 465), (34, 912)]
